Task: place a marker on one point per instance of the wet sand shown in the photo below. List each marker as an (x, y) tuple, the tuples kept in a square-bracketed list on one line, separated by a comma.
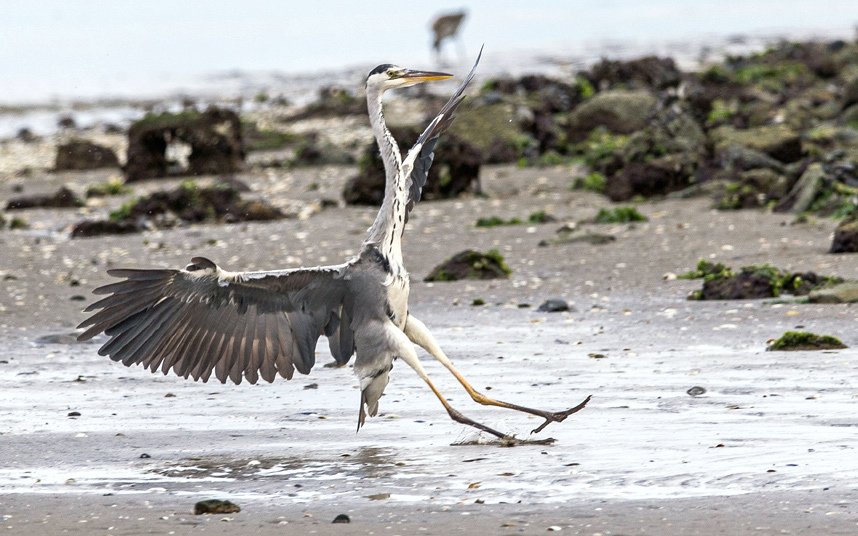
[(769, 447)]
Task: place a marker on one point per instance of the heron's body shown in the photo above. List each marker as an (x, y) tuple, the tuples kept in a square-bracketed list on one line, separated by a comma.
[(204, 320)]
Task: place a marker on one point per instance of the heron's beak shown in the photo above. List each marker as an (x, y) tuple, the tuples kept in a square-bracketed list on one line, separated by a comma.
[(417, 77)]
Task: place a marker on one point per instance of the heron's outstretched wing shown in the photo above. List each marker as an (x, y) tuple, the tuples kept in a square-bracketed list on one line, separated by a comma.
[(423, 151), (203, 319)]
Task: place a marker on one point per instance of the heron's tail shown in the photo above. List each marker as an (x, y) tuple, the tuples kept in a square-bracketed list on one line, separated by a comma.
[(372, 390)]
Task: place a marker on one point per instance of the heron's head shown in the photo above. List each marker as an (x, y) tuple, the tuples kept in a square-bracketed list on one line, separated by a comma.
[(389, 76)]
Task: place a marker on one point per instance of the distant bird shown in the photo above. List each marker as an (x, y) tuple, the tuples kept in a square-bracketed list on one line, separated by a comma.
[(204, 319), (444, 27)]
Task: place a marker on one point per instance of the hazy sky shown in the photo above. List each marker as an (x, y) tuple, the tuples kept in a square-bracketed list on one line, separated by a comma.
[(66, 47)]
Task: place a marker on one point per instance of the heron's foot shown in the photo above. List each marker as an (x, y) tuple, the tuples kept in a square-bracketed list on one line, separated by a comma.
[(459, 418), (560, 416)]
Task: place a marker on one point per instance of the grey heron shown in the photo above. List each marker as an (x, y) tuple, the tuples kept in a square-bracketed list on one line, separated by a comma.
[(204, 319)]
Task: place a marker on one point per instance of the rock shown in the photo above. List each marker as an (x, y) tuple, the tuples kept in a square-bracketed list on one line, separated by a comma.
[(647, 72), (619, 111), (740, 158), (79, 155), (342, 518), (332, 101), (746, 285), (554, 305), (66, 122), (88, 228), (805, 191), (494, 130), (215, 506), (802, 340), (455, 170), (755, 188), (189, 203), (62, 198), (26, 135), (470, 264), (845, 237), (658, 176), (213, 137), (778, 141), (843, 293), (594, 239), (57, 338)]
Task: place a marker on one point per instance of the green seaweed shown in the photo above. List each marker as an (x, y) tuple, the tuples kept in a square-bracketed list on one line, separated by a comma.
[(803, 340), (495, 221), (112, 187), (593, 182), (540, 216), (708, 271), (619, 215)]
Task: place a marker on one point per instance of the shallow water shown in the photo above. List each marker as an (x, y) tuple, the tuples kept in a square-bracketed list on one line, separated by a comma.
[(767, 421)]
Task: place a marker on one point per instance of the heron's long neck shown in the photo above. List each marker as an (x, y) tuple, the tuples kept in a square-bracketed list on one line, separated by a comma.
[(386, 231)]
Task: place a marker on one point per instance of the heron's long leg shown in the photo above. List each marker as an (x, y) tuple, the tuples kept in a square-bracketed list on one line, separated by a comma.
[(420, 335), (410, 356)]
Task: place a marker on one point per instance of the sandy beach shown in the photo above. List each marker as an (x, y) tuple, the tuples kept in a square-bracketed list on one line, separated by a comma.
[(90, 447)]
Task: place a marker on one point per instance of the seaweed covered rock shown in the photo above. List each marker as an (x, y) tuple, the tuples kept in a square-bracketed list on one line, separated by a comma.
[(753, 282), (661, 158), (211, 139), (845, 237), (792, 341), (778, 141), (619, 111), (215, 506), (333, 101), (648, 178), (454, 170), (187, 203), (470, 264), (89, 228), (77, 155), (846, 292), (62, 198), (648, 72), (754, 188), (495, 130), (746, 285)]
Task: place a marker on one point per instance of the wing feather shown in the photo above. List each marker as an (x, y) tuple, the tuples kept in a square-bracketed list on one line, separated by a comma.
[(204, 320), (423, 152)]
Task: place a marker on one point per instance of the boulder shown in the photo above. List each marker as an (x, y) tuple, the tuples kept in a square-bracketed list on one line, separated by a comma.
[(213, 137), (805, 191), (78, 155), (333, 101), (846, 292), (778, 141), (87, 228), (845, 237), (619, 111), (647, 72), (658, 176), (739, 158), (188, 203), (494, 130), (454, 170), (746, 285), (470, 264), (215, 506), (62, 198)]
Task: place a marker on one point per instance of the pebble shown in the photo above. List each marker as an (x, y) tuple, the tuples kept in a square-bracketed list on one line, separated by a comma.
[(342, 518), (696, 391), (554, 305)]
